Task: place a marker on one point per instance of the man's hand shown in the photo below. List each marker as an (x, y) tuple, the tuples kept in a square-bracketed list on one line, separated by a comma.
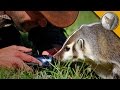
[(14, 57)]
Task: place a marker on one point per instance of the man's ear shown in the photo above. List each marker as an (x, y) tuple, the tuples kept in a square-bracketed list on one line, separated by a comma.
[(81, 43)]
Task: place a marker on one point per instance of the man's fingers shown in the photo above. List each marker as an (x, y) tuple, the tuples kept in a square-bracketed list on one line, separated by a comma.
[(22, 48), (27, 58)]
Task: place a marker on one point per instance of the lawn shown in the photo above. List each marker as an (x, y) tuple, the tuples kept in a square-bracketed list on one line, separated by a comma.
[(66, 70)]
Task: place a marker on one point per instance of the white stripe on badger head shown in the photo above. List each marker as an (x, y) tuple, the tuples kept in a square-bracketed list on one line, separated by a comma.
[(75, 32), (68, 55)]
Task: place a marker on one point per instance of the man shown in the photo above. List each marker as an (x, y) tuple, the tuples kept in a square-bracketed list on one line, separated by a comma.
[(12, 55), (45, 30)]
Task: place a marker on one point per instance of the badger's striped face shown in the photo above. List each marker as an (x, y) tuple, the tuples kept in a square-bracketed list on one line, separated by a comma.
[(77, 46), (72, 51)]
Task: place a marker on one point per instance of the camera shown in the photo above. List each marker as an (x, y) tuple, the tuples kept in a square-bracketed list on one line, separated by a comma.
[(46, 61)]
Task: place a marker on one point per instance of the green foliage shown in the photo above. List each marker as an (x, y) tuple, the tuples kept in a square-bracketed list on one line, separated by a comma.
[(58, 71)]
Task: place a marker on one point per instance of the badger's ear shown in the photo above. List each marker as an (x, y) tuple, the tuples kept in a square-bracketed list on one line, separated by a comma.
[(81, 43)]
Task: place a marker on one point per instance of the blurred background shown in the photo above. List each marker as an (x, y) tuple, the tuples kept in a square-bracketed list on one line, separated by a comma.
[(84, 17)]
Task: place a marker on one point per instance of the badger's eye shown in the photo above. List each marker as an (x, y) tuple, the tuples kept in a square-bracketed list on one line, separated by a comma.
[(67, 48)]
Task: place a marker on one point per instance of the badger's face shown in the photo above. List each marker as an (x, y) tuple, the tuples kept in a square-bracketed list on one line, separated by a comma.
[(78, 46), (71, 50)]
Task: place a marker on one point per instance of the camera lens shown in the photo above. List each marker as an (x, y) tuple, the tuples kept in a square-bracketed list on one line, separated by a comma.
[(45, 60)]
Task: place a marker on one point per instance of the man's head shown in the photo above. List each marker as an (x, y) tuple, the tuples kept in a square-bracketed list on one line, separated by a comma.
[(28, 19)]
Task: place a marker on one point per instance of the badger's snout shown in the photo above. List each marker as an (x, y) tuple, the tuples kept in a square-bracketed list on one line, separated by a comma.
[(72, 51)]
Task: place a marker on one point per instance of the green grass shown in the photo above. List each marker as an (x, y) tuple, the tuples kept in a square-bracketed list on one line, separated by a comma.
[(58, 71)]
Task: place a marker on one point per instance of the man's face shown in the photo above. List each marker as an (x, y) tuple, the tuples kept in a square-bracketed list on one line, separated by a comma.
[(27, 19)]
